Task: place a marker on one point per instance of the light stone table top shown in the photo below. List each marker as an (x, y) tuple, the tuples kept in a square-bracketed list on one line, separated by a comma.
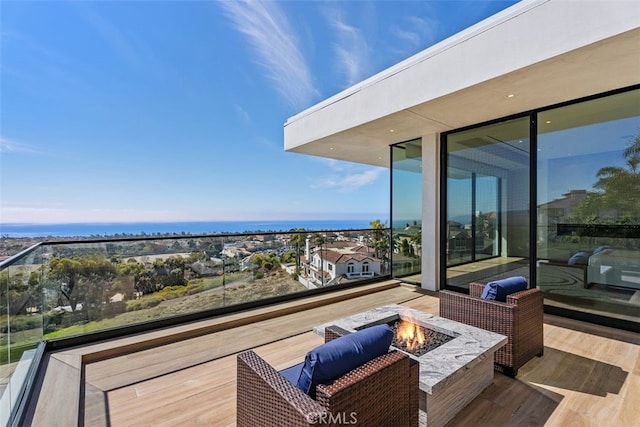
[(440, 366)]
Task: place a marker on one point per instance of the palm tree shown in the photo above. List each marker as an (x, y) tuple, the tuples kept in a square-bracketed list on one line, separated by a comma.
[(416, 243), (380, 241), (618, 187), (320, 239), (297, 239)]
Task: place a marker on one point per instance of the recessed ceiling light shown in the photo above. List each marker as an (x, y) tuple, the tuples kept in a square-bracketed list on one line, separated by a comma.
[(391, 130), (330, 148), (548, 121), (511, 95)]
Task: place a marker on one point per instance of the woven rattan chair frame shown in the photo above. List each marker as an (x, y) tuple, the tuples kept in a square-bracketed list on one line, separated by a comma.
[(333, 332), (377, 393), (520, 319)]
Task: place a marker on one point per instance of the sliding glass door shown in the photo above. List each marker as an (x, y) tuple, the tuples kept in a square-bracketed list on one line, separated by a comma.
[(588, 207), (473, 215), (406, 210), (487, 202)]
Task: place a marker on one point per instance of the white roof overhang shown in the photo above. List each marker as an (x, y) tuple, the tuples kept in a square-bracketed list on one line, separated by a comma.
[(541, 52)]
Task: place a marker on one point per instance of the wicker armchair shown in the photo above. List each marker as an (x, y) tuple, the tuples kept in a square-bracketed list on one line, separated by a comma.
[(382, 392), (520, 318)]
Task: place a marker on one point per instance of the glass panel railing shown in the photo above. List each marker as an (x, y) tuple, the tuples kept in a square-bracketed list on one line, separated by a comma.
[(21, 326), (64, 289)]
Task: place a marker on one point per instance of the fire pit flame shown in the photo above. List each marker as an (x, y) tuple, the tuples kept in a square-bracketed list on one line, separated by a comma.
[(410, 335)]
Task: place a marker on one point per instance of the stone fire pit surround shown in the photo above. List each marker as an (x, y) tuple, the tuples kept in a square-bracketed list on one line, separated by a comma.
[(439, 365)]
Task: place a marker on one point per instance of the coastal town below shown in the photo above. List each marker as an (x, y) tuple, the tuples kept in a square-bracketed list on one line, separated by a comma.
[(10, 246)]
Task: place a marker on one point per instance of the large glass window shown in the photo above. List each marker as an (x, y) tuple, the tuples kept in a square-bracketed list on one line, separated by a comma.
[(581, 246), (487, 202), (588, 206), (406, 210)]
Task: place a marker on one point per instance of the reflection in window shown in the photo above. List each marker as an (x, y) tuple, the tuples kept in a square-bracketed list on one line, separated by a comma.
[(406, 210), (588, 235), (487, 202)]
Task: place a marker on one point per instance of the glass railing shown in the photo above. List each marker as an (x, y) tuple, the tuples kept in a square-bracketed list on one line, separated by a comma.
[(58, 290)]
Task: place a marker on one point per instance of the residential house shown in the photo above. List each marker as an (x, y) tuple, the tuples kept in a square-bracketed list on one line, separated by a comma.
[(339, 262)]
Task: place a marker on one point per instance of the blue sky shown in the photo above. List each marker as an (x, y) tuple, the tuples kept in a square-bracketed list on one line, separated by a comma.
[(174, 111)]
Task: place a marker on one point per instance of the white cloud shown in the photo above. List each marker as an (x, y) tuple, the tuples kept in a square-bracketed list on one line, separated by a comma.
[(410, 37), (269, 144), (347, 180), (274, 43), (242, 114), (115, 39), (351, 50), (8, 146), (415, 34)]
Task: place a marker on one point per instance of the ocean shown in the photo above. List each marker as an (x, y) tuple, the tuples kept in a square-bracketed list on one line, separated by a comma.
[(152, 228)]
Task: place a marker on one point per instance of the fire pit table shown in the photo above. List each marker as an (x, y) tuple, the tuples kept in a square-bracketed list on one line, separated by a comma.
[(456, 360)]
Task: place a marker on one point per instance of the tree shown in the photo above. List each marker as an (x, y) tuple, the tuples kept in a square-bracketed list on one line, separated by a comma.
[(298, 238), (97, 278), (485, 229), (617, 189), (405, 247), (380, 241), (17, 292), (288, 256), (66, 272), (266, 262), (320, 239), (85, 280)]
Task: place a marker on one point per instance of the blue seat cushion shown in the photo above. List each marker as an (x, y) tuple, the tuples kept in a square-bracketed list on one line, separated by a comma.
[(499, 289), (331, 360), (292, 374)]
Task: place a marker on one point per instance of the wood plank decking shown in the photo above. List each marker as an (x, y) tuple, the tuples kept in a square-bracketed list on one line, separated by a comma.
[(588, 376)]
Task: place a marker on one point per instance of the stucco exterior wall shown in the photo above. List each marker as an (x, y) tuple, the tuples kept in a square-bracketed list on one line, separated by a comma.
[(431, 232)]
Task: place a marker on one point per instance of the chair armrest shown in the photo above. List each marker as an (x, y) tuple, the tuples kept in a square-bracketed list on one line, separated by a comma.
[(528, 335), (520, 319), (266, 398), (475, 289), (490, 315), (528, 318), (332, 332), (529, 296), (387, 380)]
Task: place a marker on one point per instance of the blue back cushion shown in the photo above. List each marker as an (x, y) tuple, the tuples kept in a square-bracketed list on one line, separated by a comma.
[(579, 258), (331, 360), (292, 373), (600, 249), (499, 289)]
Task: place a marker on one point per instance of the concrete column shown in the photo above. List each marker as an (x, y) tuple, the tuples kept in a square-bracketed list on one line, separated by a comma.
[(431, 232)]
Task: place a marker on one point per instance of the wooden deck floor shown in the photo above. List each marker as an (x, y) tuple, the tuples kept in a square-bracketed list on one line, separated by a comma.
[(588, 376)]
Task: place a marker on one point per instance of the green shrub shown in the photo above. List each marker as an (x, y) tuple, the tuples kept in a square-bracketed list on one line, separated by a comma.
[(22, 323), (147, 301)]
